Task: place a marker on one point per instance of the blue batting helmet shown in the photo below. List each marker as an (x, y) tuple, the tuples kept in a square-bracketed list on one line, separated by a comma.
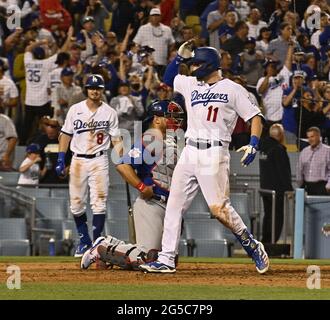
[(208, 58), (95, 81)]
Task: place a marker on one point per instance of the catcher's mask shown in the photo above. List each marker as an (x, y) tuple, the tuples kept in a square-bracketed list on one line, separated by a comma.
[(170, 110)]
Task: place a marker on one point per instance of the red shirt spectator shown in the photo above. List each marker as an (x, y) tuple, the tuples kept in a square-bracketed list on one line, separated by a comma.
[(54, 16), (167, 10)]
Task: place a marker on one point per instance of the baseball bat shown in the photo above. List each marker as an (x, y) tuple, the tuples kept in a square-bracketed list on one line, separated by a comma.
[(131, 226)]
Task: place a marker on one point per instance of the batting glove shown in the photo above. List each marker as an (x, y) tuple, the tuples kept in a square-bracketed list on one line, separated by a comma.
[(186, 51), (250, 151), (60, 164)]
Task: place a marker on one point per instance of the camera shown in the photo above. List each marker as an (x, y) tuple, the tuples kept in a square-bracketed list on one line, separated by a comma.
[(145, 51)]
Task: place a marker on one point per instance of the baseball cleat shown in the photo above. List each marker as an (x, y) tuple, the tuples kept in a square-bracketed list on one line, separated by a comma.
[(91, 255), (81, 249), (156, 267), (260, 257)]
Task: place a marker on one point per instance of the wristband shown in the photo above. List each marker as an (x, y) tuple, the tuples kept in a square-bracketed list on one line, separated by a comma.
[(254, 141), (140, 186), (61, 156)]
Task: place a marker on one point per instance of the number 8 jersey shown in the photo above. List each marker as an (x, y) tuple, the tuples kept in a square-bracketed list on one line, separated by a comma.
[(213, 110), (91, 132), (37, 79)]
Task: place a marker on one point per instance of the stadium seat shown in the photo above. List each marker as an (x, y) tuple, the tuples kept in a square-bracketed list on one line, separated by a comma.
[(192, 20), (117, 228), (197, 215), (34, 192), (212, 248), (9, 178), (198, 204), (13, 229), (242, 205), (59, 193), (51, 208), (207, 237), (14, 247)]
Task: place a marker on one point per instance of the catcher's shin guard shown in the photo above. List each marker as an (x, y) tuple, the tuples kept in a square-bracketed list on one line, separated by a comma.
[(121, 257)]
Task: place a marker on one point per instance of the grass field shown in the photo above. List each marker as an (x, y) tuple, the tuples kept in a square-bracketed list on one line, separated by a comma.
[(196, 278)]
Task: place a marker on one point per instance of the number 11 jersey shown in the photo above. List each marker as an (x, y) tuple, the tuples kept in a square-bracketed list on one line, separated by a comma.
[(213, 110)]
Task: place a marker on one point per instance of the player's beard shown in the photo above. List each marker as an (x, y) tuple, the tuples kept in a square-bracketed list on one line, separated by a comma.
[(95, 97)]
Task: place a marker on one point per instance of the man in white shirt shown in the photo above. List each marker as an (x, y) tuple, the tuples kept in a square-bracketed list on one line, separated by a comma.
[(8, 92), (158, 36), (254, 23)]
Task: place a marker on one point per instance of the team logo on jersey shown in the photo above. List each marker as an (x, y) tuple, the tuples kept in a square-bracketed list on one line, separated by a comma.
[(81, 126), (207, 97), (134, 153)]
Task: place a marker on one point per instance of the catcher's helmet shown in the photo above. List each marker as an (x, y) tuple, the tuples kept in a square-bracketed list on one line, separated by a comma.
[(95, 81), (167, 109), (208, 58)]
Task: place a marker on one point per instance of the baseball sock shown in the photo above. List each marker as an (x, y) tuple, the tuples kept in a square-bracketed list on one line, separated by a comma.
[(82, 229), (98, 225), (247, 241)]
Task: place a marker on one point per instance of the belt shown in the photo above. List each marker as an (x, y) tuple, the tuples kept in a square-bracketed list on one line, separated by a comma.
[(162, 199), (204, 144), (90, 156)]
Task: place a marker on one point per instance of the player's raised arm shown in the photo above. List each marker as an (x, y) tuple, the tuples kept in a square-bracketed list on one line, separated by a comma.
[(184, 53)]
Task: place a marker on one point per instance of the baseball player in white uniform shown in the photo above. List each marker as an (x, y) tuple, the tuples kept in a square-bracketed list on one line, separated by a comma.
[(90, 125), (213, 105)]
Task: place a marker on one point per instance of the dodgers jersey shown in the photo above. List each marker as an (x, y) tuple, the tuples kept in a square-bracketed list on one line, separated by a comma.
[(37, 79), (213, 110), (91, 131)]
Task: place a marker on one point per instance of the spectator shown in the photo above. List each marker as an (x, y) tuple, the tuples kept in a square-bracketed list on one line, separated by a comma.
[(252, 61), (263, 40), (277, 17), (158, 36), (214, 20), (278, 48), (8, 140), (53, 16), (236, 44), (227, 29), (64, 92), (62, 61), (122, 15), (42, 32), (187, 33), (291, 101), (177, 26), (48, 142), (30, 167), (167, 8), (8, 92), (227, 65), (313, 167), (255, 24), (242, 8), (270, 88), (275, 174), (129, 108), (308, 115), (315, 38), (99, 12)]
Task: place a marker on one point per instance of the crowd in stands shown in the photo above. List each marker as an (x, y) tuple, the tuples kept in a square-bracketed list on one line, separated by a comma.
[(271, 47)]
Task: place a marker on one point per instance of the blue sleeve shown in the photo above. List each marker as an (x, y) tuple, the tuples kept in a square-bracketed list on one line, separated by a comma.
[(171, 71), (134, 157), (325, 36)]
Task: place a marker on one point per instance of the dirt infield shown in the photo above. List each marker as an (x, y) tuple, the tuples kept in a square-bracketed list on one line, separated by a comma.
[(218, 274)]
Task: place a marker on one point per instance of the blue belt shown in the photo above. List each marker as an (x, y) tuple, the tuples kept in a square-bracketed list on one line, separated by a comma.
[(90, 156)]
